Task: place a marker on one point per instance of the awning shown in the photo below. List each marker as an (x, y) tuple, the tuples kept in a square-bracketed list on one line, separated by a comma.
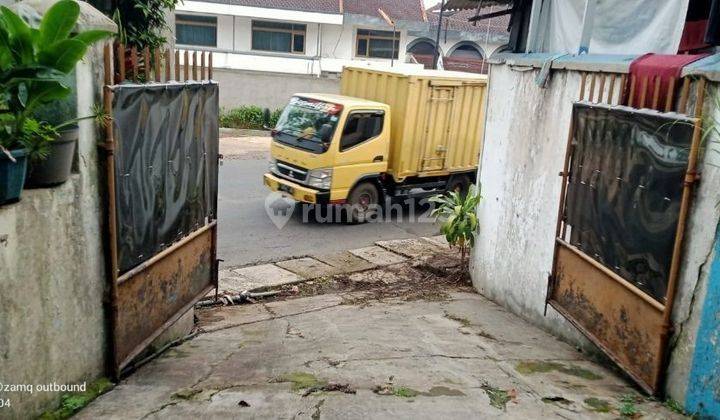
[(473, 4)]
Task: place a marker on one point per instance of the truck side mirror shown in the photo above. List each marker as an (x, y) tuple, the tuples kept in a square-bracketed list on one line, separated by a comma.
[(266, 119), (325, 132)]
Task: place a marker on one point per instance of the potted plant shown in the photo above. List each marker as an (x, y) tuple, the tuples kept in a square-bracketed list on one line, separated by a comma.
[(34, 63)]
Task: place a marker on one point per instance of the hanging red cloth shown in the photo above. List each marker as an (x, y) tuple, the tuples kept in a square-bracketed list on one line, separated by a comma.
[(649, 67)]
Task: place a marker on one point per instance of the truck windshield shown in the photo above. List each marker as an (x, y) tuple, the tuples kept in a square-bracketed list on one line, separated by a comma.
[(308, 124)]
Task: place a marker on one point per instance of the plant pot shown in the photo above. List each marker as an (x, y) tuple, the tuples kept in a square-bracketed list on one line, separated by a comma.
[(56, 169), (12, 175)]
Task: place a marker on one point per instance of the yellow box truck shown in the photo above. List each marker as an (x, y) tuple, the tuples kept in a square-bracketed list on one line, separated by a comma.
[(389, 134)]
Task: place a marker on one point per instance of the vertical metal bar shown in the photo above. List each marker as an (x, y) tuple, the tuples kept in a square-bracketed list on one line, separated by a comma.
[(592, 87), (157, 69), (186, 66), (210, 66), (684, 93), (583, 80), (670, 95), (611, 91), (623, 86), (134, 61), (202, 65), (656, 93), (436, 56), (643, 91), (631, 100), (111, 212), (168, 65), (121, 61), (690, 178), (146, 63)]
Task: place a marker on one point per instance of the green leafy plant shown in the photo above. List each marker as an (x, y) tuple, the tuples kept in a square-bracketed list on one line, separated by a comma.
[(34, 62), (456, 213), (142, 22), (248, 117)]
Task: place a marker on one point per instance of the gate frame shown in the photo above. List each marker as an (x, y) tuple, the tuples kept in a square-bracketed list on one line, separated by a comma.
[(116, 363), (691, 177)]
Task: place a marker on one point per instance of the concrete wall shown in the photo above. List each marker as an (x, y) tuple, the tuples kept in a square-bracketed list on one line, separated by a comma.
[(268, 90), (524, 148), (52, 271)]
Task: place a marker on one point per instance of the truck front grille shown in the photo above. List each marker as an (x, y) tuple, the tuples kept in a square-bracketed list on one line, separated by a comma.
[(292, 172)]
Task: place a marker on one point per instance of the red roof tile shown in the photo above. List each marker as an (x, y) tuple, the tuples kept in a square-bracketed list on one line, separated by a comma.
[(413, 10)]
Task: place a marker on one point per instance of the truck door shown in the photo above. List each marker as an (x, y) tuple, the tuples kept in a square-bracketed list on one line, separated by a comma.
[(437, 127), (363, 149)]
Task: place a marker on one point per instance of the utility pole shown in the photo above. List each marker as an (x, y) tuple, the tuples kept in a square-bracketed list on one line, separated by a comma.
[(436, 58)]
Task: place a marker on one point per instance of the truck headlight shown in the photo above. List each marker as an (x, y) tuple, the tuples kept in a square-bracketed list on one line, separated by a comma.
[(320, 178), (272, 166)]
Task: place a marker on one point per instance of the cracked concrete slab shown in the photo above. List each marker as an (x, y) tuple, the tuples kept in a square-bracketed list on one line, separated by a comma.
[(459, 358), (412, 248), (307, 268), (378, 255), (345, 262), (438, 241), (266, 275)]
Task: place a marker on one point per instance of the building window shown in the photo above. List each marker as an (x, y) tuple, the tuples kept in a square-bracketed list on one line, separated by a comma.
[(278, 37), (196, 30), (377, 44)]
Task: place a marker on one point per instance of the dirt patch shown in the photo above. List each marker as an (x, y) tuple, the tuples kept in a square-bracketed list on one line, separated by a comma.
[(531, 367), (404, 281), (499, 398), (300, 380)]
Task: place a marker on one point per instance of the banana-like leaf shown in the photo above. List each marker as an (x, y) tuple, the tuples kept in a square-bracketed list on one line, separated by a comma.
[(58, 21), (20, 37), (91, 37), (45, 91), (63, 55)]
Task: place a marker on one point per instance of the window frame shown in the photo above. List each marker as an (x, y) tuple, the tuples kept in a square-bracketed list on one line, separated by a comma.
[(180, 19), (369, 37), (293, 33), (347, 119)]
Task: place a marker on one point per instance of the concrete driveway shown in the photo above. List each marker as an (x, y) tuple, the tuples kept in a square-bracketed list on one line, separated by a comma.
[(408, 340), (247, 235)]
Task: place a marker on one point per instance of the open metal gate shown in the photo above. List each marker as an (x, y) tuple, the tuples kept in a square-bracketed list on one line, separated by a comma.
[(162, 160), (626, 191)]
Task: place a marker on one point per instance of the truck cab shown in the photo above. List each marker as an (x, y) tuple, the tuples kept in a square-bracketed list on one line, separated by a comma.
[(325, 146)]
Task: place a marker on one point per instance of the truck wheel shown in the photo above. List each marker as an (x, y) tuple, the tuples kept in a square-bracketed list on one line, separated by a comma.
[(363, 202), (459, 184)]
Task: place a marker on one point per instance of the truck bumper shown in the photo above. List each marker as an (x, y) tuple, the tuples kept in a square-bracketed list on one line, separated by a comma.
[(298, 192)]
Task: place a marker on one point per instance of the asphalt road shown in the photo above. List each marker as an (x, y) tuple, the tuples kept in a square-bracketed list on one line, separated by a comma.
[(248, 235)]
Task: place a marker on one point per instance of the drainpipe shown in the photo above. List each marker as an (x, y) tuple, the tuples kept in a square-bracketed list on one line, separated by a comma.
[(437, 39), (318, 51)]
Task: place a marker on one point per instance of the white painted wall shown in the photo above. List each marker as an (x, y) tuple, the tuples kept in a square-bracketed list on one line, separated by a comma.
[(524, 149), (332, 44)]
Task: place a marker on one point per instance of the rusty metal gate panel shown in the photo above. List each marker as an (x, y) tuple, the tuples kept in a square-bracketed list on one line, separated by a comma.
[(625, 197), (162, 146)]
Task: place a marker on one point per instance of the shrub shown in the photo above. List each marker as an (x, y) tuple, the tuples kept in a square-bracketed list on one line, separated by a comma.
[(456, 213), (248, 117)]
